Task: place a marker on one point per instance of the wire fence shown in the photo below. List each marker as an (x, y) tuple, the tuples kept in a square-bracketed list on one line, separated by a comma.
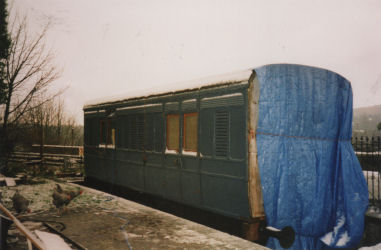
[(368, 151)]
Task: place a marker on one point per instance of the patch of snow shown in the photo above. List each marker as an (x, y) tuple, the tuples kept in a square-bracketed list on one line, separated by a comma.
[(375, 247), (52, 241), (368, 153), (106, 146), (190, 100), (344, 239), (328, 238), (171, 151), (221, 96), (91, 112), (140, 106), (190, 153), (273, 229), (171, 103)]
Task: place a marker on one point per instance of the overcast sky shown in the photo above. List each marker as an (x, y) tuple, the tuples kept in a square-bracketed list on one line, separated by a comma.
[(112, 47)]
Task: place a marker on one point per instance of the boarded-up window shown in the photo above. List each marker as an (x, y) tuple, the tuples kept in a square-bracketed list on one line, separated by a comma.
[(173, 132), (190, 132)]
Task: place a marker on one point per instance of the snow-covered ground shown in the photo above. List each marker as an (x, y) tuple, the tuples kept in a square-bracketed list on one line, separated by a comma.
[(99, 220), (40, 197), (375, 247)]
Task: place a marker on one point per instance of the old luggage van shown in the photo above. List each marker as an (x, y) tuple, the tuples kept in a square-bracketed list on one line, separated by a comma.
[(193, 144), (217, 145)]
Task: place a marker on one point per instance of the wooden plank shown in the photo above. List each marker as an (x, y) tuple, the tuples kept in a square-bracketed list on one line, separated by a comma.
[(52, 241), (30, 247), (76, 244), (10, 181), (254, 185), (25, 154)]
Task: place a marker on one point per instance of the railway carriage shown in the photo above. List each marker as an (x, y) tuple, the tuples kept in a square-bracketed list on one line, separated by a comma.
[(189, 146), (208, 144)]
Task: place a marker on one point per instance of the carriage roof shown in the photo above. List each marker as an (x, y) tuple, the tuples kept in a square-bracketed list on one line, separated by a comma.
[(235, 77)]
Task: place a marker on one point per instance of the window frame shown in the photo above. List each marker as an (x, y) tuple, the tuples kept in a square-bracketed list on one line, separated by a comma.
[(185, 135), (108, 140), (167, 149)]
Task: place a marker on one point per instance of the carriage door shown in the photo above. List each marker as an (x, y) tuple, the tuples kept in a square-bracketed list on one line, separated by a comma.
[(189, 158)]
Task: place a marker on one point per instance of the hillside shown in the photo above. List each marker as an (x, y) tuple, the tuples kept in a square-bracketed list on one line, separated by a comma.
[(365, 120)]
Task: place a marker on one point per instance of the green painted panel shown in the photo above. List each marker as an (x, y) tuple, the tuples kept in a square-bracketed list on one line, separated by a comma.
[(158, 133), (189, 105), (172, 161), (206, 140), (171, 106), (130, 175), (149, 132), (191, 190), (172, 188), (190, 163), (155, 180), (238, 146), (222, 101), (236, 169), (227, 196)]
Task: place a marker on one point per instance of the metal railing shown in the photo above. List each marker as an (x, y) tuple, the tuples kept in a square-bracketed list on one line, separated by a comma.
[(368, 151)]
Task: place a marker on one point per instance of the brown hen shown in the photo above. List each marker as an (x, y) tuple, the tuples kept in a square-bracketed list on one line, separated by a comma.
[(62, 198)]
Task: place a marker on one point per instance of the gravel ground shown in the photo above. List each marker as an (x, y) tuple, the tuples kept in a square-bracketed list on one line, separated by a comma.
[(99, 220)]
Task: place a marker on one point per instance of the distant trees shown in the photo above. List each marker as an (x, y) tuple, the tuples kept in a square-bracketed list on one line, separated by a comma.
[(379, 126), (49, 123), (27, 73)]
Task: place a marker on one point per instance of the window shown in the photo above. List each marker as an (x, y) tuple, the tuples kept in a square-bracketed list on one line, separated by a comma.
[(221, 133), (136, 131), (107, 133), (190, 132), (173, 132), (90, 133)]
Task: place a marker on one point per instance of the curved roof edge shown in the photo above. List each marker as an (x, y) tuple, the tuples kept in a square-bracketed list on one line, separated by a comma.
[(234, 77), (212, 81), (304, 65)]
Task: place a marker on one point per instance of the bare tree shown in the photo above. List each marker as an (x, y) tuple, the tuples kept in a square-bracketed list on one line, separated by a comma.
[(29, 71)]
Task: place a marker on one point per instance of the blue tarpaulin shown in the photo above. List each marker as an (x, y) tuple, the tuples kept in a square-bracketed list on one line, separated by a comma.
[(310, 176)]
